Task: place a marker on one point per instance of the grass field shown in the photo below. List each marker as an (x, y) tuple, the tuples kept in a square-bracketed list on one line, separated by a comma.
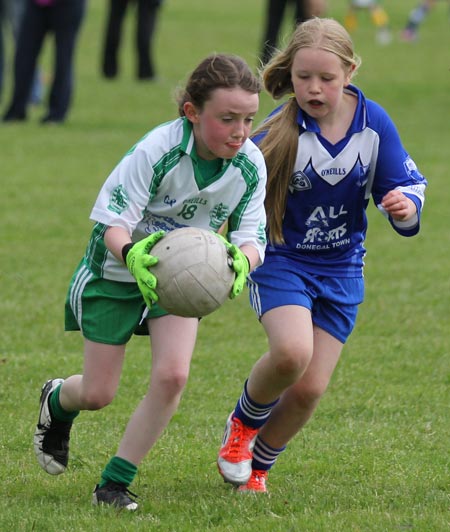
[(376, 455)]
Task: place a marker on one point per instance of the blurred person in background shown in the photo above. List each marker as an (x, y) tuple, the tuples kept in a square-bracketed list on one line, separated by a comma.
[(146, 19), (63, 19), (5, 20), (11, 12), (275, 11), (378, 16), (411, 31)]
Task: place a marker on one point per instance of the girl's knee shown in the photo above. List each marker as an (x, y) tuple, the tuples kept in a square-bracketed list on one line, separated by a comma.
[(310, 393), (97, 399), (291, 360), (173, 384)]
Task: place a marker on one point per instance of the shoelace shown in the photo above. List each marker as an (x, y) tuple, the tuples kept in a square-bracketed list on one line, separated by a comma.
[(113, 487), (240, 438)]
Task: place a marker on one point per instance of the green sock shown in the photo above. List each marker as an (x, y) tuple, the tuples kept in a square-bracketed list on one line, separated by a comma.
[(118, 470), (57, 410)]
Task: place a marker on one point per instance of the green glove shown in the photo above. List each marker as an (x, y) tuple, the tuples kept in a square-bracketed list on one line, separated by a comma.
[(241, 266), (139, 260)]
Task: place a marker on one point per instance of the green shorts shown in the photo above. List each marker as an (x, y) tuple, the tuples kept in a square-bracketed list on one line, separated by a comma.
[(108, 312)]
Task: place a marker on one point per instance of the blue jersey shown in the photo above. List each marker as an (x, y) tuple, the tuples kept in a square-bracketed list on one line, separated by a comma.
[(325, 223)]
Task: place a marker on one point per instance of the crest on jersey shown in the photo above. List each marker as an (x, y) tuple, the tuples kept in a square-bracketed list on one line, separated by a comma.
[(118, 201), (218, 214), (299, 181)]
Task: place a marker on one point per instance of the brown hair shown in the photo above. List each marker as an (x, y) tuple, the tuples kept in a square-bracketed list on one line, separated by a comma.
[(280, 145), (217, 71)]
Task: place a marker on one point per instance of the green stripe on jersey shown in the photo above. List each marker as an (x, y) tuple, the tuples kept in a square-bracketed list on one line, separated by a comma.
[(250, 174), (96, 251), (167, 162)]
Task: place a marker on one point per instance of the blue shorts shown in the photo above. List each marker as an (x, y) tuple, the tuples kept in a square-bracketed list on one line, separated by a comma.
[(333, 301)]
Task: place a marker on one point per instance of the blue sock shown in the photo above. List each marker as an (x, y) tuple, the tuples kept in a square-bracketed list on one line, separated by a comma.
[(251, 413), (264, 456)]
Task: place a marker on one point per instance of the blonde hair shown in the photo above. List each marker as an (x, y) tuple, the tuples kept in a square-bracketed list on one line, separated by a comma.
[(324, 34)]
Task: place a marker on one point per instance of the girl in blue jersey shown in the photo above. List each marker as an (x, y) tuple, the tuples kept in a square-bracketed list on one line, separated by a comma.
[(199, 170), (328, 149)]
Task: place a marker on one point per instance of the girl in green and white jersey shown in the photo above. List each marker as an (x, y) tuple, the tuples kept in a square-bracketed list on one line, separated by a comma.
[(199, 170)]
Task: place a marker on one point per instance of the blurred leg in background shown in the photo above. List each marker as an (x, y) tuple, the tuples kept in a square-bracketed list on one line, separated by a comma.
[(274, 16), (113, 35), (16, 10), (146, 22), (62, 19), (145, 29), (66, 25)]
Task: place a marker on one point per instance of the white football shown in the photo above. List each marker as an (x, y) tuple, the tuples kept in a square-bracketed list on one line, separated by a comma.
[(194, 272)]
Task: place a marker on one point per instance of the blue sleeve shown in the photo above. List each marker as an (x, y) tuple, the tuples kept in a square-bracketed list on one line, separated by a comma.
[(394, 168), (258, 138)]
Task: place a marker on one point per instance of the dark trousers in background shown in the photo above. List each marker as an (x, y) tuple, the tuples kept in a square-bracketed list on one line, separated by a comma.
[(146, 16), (275, 10), (63, 20)]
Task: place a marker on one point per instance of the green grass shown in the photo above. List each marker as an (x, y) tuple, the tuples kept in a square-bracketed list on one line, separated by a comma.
[(375, 456)]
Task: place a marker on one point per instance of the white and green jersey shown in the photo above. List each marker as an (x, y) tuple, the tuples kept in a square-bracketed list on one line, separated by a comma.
[(159, 185)]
